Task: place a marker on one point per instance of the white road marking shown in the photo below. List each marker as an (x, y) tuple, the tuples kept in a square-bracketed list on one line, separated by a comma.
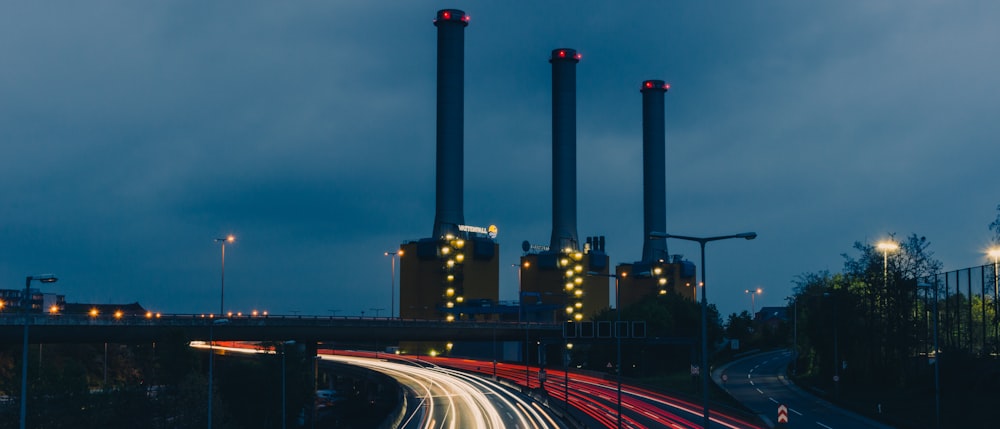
[(821, 424)]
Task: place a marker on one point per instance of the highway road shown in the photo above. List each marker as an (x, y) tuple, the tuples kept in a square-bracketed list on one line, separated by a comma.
[(597, 398), (442, 398), (759, 383)]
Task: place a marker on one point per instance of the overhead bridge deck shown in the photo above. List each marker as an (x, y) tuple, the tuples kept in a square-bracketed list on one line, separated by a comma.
[(85, 329)]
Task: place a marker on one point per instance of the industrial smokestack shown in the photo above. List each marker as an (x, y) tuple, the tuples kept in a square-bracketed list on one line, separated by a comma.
[(564, 149), (654, 176), (451, 25)]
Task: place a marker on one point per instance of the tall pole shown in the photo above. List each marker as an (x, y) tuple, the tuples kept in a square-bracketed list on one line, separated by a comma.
[(937, 363), (222, 282), (836, 345), (704, 307), (618, 320), (222, 299), (392, 283), (937, 356), (284, 402), (26, 309), (795, 336), (25, 302), (566, 377), (704, 341), (995, 253), (618, 337), (211, 365)]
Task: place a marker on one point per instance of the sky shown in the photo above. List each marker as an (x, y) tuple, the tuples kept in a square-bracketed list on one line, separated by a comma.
[(134, 134)]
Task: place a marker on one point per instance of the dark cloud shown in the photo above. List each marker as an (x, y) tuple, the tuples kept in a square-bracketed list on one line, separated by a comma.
[(135, 135)]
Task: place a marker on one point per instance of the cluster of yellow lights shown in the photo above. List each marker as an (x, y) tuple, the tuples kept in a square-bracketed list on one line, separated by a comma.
[(451, 252), (660, 274), (573, 282)]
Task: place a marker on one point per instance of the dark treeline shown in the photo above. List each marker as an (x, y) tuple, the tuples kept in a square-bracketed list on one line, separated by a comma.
[(866, 335)]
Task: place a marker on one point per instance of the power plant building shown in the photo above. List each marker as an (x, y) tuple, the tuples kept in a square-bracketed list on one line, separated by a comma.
[(657, 273), (458, 264)]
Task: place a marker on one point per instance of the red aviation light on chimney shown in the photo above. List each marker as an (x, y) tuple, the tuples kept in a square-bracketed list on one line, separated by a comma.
[(452, 15), (654, 85), (565, 54)]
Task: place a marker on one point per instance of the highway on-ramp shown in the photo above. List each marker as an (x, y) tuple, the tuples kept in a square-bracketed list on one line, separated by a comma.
[(760, 384)]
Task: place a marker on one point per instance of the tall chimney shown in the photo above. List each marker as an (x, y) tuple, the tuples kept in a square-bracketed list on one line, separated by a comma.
[(564, 149), (451, 25), (654, 176)]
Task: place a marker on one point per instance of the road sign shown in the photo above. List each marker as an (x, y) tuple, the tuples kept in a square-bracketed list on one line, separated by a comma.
[(695, 370), (609, 365), (782, 414)]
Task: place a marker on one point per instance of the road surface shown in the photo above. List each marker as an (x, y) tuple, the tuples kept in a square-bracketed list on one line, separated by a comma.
[(760, 384)]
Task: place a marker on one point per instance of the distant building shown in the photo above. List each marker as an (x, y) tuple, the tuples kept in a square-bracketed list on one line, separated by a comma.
[(40, 302), (11, 300), (772, 317)]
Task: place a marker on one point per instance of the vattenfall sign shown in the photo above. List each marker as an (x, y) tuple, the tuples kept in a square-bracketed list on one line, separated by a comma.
[(490, 231)]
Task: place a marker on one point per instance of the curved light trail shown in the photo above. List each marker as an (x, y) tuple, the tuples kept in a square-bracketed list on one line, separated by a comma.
[(448, 399), (597, 398)]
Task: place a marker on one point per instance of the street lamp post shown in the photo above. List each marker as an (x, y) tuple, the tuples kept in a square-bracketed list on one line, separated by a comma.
[(937, 362), (26, 308), (222, 299), (284, 401), (836, 345), (618, 337), (995, 253), (222, 286), (704, 305), (795, 334), (886, 247), (566, 356), (392, 282), (753, 305)]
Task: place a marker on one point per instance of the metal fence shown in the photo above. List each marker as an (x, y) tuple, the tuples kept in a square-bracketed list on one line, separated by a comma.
[(967, 310)]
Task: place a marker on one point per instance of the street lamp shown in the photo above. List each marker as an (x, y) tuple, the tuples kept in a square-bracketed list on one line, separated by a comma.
[(886, 247), (836, 345), (753, 306), (222, 289), (392, 282), (618, 337), (995, 253), (222, 299), (704, 305), (284, 402), (937, 362), (566, 356), (26, 308)]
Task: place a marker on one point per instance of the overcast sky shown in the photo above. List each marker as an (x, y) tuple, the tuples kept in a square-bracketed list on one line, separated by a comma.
[(134, 133)]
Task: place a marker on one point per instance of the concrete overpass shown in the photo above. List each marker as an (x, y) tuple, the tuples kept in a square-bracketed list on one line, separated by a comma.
[(67, 328)]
